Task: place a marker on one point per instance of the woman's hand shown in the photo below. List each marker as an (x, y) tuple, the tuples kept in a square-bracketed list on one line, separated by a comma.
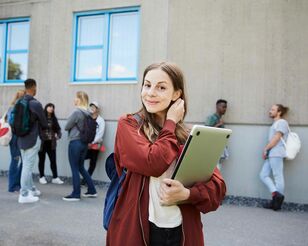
[(176, 111), (172, 192)]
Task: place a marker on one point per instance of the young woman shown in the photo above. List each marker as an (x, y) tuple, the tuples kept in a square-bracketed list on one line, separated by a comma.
[(153, 209), (49, 139), (16, 162), (77, 149)]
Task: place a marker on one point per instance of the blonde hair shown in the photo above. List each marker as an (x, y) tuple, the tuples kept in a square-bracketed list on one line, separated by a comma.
[(19, 94), (83, 99), (149, 126)]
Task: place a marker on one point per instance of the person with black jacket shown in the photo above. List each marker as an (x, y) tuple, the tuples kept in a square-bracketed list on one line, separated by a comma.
[(29, 145), (49, 139)]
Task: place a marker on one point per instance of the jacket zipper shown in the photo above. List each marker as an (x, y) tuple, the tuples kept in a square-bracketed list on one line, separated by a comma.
[(140, 220), (183, 233)]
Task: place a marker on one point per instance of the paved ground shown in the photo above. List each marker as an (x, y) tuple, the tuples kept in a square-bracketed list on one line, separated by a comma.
[(55, 222)]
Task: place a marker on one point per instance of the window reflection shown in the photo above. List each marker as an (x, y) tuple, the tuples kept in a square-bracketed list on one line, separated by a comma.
[(107, 46), (18, 36), (89, 64), (14, 42), (1, 47), (123, 54), (17, 66), (91, 30)]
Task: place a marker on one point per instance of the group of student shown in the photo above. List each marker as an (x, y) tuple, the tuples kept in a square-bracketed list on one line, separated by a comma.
[(152, 209), (273, 154), (26, 150)]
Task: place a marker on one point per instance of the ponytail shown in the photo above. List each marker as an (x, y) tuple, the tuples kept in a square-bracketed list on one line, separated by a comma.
[(282, 109)]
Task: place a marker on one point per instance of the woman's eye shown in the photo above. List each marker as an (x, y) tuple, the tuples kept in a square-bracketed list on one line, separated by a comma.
[(147, 85), (162, 88)]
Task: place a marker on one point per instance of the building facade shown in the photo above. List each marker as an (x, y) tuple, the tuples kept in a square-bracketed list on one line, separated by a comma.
[(251, 53)]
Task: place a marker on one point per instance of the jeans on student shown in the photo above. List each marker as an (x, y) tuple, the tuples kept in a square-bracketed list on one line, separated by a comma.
[(77, 151), (15, 166), (29, 159), (274, 165)]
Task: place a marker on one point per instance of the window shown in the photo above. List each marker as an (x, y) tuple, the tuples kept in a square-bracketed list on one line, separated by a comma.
[(106, 46), (14, 49)]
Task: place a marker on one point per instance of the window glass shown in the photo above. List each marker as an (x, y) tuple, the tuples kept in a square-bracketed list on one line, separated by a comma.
[(123, 48), (18, 36), (17, 66), (1, 47), (89, 64), (91, 30), (106, 45)]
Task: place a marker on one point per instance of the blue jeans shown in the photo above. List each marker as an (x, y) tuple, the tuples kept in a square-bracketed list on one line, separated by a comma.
[(77, 151), (15, 166), (274, 165), (29, 159)]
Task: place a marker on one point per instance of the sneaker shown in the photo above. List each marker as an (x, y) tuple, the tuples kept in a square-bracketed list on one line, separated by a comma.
[(57, 181), (91, 195), (43, 180), (35, 192), (277, 201), (69, 198), (28, 199)]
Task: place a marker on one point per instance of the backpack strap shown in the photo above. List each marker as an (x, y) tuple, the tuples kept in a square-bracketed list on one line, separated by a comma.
[(4, 116), (281, 138)]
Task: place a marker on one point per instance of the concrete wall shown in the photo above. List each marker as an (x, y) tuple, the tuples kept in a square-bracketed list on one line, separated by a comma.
[(241, 170), (252, 53)]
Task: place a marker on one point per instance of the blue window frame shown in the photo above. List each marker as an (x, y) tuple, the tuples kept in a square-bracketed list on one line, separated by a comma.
[(106, 45), (14, 50)]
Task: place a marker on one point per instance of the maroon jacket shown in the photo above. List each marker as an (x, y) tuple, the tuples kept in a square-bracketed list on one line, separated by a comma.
[(129, 225)]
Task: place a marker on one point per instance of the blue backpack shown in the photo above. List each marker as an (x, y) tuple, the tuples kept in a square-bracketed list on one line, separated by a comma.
[(114, 189)]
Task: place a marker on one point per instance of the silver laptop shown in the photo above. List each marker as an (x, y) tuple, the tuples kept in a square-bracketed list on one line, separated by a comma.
[(201, 154)]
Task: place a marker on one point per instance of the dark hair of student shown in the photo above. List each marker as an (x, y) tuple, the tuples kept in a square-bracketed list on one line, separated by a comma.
[(29, 83), (149, 125), (221, 101), (282, 109)]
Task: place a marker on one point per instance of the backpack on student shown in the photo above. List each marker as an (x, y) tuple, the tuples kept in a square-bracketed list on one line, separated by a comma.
[(5, 131), (114, 189), (21, 121), (292, 145), (88, 131)]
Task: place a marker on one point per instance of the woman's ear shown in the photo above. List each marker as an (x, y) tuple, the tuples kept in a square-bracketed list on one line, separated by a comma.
[(176, 95)]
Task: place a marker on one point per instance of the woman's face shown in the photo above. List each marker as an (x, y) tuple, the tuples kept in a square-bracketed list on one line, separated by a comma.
[(76, 101), (50, 109), (158, 92)]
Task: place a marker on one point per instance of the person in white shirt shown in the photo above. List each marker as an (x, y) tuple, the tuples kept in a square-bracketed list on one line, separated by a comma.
[(273, 154), (97, 145)]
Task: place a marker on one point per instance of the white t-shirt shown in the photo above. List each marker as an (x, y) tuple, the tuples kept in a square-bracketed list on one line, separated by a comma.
[(162, 216), (282, 126)]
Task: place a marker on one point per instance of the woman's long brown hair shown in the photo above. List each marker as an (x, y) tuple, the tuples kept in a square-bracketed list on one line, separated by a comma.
[(149, 124)]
